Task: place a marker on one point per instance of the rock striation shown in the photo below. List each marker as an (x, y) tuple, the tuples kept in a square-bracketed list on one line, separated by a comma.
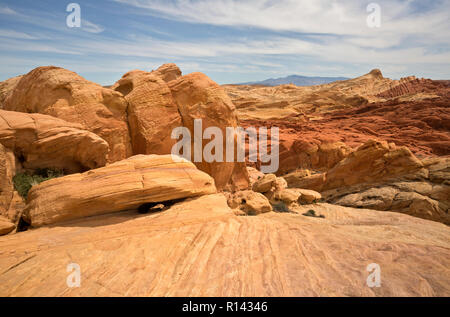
[(41, 141), (199, 248), (64, 94), (120, 186), (152, 112)]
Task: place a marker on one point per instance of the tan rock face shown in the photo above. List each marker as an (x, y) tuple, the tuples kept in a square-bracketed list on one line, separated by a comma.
[(42, 141), (371, 162), (168, 72), (6, 87), (152, 112), (265, 183), (199, 248), (418, 194), (309, 196), (249, 203), (162, 100), (284, 101), (7, 172), (254, 175), (198, 97), (124, 185), (6, 226), (63, 94)]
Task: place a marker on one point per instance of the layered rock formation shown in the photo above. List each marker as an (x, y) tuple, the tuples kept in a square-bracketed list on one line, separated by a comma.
[(6, 226), (162, 100), (424, 193), (199, 248), (63, 94), (168, 72), (41, 141), (124, 185), (195, 242), (7, 172), (384, 177), (416, 117), (6, 87), (264, 103), (152, 112), (198, 97)]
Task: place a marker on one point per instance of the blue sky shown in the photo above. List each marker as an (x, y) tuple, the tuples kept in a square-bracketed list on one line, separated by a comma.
[(229, 40)]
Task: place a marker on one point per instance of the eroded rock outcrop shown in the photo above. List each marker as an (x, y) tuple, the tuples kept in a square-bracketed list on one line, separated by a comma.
[(162, 100), (7, 171), (64, 94), (41, 141), (6, 226), (152, 112), (168, 72), (382, 176), (6, 87), (123, 185), (198, 97), (424, 193), (247, 202)]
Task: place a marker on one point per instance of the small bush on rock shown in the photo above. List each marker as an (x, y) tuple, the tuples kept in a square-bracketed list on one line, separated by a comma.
[(280, 207), (24, 181)]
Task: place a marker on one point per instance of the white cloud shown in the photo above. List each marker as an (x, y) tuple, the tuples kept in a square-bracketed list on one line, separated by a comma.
[(7, 11), (17, 35), (91, 27)]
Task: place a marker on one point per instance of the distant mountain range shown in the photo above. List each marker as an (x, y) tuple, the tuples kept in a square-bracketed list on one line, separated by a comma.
[(296, 80)]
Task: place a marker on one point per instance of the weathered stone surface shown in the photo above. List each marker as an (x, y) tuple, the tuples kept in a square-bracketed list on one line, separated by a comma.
[(6, 87), (199, 248), (123, 185), (168, 72), (16, 207), (7, 172), (254, 175), (419, 193), (371, 162), (6, 226), (308, 196), (64, 94), (249, 202), (152, 112), (265, 183), (287, 195), (42, 141), (314, 182), (198, 97)]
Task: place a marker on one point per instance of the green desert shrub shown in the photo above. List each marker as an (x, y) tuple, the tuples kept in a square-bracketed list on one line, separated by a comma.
[(24, 181)]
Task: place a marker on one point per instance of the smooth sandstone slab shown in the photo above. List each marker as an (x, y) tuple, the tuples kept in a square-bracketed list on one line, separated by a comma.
[(199, 248), (124, 185)]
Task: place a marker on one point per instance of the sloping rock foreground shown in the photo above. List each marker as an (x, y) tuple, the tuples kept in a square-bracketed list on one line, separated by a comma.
[(199, 248), (41, 141), (124, 185)]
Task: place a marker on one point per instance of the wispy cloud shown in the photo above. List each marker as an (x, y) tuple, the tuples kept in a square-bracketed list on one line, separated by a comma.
[(16, 35), (91, 27), (231, 38), (7, 11)]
